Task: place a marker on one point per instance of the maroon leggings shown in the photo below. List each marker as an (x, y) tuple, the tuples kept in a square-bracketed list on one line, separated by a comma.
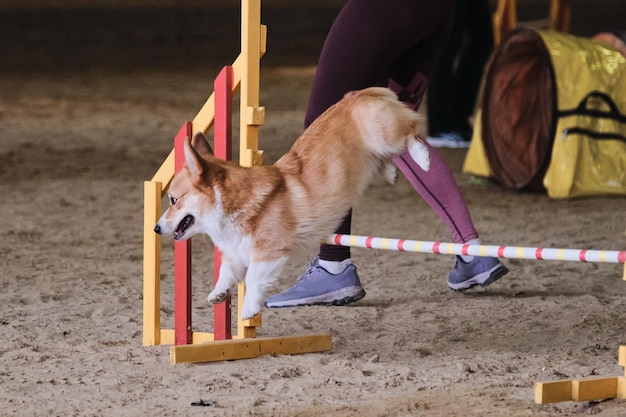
[(391, 43)]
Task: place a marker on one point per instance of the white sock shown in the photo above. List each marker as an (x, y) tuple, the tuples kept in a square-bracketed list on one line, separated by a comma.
[(335, 267), (470, 258)]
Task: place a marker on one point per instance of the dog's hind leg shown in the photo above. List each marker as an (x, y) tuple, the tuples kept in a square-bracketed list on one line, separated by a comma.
[(391, 173), (259, 278)]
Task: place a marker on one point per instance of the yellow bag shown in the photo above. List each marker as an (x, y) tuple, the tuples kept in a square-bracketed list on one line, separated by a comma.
[(589, 154), (576, 149)]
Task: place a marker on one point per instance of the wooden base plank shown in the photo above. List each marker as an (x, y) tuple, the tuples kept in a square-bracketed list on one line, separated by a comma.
[(599, 388), (250, 348), (587, 389), (553, 392)]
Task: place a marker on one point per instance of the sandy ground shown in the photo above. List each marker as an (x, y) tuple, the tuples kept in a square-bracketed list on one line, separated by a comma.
[(74, 153), (75, 149)]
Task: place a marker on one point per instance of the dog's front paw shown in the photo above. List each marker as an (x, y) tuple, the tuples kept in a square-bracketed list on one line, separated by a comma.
[(216, 296), (248, 312), (251, 306)]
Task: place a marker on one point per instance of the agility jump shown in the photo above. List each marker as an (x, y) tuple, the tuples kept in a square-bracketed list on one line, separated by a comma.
[(585, 389), (222, 344)]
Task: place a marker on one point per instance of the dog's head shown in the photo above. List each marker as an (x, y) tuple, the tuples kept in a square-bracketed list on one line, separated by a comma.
[(191, 193)]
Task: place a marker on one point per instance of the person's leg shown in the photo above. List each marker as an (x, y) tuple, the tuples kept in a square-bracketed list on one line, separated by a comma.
[(359, 50), (403, 52), (437, 185), (440, 98), (439, 188), (361, 46), (474, 55)]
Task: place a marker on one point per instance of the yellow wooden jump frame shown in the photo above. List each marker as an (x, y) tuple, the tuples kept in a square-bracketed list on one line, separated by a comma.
[(246, 74)]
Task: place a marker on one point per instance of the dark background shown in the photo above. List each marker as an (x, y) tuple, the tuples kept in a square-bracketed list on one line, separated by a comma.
[(73, 35)]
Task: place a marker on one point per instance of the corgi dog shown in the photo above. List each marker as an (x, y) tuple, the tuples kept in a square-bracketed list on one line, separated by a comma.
[(258, 216)]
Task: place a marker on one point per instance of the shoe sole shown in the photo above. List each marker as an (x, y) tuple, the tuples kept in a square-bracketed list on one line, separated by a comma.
[(442, 143), (344, 301), (338, 302), (494, 275)]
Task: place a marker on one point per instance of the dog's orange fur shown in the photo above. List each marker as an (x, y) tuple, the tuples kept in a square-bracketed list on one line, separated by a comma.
[(257, 216)]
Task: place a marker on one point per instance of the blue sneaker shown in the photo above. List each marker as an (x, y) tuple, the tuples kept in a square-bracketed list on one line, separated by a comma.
[(317, 286), (481, 271)]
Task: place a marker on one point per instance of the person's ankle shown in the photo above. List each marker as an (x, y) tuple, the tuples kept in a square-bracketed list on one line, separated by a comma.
[(335, 267), (469, 258)]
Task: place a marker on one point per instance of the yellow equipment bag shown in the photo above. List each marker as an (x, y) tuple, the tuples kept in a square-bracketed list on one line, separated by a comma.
[(552, 116)]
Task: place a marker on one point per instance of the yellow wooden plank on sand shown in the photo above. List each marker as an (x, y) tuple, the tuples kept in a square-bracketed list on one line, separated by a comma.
[(249, 348)]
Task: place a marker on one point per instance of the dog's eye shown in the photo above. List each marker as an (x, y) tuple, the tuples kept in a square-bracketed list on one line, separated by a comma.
[(173, 200)]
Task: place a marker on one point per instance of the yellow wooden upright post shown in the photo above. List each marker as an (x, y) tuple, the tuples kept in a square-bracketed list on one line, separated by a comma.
[(151, 265), (559, 15), (251, 116), (504, 19)]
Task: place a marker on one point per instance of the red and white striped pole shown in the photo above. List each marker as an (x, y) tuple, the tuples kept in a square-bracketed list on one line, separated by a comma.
[(511, 252)]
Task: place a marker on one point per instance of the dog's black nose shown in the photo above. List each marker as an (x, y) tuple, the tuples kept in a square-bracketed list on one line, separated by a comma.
[(157, 229)]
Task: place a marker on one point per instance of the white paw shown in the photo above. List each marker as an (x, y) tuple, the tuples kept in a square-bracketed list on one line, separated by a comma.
[(391, 173), (421, 156), (218, 296), (250, 310)]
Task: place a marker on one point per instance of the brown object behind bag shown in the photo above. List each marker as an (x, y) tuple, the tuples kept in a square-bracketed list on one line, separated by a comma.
[(519, 108)]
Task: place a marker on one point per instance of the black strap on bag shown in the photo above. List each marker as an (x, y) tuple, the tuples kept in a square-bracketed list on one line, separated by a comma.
[(584, 110)]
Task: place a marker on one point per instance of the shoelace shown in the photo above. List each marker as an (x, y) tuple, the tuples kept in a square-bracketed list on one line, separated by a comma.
[(308, 272)]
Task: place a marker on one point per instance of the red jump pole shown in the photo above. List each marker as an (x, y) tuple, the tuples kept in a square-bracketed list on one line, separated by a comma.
[(222, 142), (182, 259)]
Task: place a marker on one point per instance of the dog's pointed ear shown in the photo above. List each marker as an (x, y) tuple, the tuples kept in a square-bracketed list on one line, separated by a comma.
[(201, 144), (193, 159)]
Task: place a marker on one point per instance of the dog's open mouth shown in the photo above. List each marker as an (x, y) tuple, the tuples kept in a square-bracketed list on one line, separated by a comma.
[(184, 224)]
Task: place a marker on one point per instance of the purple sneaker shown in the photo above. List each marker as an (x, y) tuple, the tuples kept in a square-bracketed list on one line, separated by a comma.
[(317, 286), (480, 271)]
